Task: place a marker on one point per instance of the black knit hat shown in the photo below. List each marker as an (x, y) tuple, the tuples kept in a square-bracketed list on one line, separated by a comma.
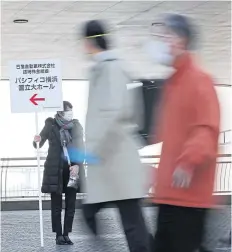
[(97, 31), (94, 28)]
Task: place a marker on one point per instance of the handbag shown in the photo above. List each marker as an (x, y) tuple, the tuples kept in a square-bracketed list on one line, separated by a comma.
[(74, 181)]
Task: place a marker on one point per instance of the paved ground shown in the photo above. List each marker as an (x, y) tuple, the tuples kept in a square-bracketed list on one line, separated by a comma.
[(20, 232)]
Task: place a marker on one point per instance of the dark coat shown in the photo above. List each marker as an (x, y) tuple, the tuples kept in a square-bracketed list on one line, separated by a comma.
[(54, 165)]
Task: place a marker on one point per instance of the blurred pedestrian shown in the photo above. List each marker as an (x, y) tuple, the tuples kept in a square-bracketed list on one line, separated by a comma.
[(61, 132), (188, 126), (119, 177)]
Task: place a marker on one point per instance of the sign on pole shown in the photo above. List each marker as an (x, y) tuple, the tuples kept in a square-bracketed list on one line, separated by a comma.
[(36, 86)]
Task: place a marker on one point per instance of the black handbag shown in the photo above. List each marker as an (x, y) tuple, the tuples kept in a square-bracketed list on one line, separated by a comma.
[(151, 94)]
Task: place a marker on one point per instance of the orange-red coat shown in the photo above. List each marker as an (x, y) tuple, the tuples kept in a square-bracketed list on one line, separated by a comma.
[(189, 129)]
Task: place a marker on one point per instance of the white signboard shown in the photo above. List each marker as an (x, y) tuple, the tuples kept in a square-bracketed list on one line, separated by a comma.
[(35, 86)]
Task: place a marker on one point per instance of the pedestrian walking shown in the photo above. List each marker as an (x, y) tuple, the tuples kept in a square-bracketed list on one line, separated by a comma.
[(111, 135), (188, 125)]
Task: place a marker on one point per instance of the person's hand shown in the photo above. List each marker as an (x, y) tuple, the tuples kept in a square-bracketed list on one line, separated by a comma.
[(37, 139), (181, 178), (74, 170)]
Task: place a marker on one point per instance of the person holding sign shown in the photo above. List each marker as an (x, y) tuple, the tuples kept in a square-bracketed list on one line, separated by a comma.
[(60, 175), (111, 135)]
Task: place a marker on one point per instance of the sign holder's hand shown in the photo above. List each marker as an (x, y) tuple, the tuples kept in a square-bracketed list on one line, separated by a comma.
[(181, 178), (74, 170), (37, 138)]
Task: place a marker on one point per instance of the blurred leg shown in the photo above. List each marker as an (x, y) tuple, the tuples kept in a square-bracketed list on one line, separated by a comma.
[(162, 235), (89, 212), (186, 229), (134, 225)]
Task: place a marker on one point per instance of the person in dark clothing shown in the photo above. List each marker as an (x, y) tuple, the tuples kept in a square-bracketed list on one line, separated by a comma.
[(61, 131)]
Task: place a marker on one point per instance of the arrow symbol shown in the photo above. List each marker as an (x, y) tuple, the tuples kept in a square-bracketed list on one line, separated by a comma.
[(34, 99)]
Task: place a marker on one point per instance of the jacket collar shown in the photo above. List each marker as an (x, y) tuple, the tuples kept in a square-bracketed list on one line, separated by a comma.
[(181, 64), (105, 55)]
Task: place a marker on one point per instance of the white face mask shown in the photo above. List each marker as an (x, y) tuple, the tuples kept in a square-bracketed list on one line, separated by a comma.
[(68, 115), (159, 52)]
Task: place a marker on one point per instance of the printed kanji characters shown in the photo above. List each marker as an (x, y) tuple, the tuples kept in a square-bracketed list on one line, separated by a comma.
[(27, 87), (48, 79), (34, 87), (21, 87), (54, 79)]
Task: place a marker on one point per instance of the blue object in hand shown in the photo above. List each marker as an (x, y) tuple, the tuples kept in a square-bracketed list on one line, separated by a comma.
[(77, 156)]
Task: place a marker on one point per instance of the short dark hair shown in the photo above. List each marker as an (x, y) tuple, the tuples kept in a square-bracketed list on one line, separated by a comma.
[(67, 105), (97, 28)]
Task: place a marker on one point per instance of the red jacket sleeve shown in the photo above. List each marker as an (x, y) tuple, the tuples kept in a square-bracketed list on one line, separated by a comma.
[(201, 145)]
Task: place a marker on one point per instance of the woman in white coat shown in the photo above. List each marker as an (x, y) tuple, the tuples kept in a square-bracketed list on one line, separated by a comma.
[(111, 135)]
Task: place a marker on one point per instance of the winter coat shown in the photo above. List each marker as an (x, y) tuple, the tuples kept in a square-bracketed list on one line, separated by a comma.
[(54, 174), (188, 126), (111, 135)]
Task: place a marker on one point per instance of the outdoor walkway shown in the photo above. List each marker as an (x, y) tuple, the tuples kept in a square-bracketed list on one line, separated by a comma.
[(20, 232)]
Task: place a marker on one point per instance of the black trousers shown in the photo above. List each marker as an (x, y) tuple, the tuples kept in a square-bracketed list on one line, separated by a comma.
[(132, 221), (56, 207), (179, 229)]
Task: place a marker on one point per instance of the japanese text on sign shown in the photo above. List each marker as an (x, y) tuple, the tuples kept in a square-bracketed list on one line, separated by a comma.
[(35, 68), (27, 84), (35, 85)]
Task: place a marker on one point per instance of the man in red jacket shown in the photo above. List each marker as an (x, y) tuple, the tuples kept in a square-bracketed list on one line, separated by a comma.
[(189, 128)]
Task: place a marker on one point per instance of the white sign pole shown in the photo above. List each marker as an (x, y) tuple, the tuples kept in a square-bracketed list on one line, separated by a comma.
[(36, 86), (39, 183)]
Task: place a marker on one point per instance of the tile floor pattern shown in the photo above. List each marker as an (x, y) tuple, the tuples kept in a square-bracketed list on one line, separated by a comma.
[(20, 232)]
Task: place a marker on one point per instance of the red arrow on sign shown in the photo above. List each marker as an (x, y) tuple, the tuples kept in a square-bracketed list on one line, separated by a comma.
[(34, 100)]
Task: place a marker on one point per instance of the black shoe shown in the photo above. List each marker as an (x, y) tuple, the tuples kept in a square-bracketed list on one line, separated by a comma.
[(67, 240), (60, 240)]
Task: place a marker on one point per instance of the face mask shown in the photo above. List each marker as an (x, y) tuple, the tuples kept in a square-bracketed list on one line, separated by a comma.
[(159, 52), (68, 115)]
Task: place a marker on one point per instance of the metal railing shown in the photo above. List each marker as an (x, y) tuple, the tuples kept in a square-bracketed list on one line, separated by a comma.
[(225, 137), (19, 176)]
